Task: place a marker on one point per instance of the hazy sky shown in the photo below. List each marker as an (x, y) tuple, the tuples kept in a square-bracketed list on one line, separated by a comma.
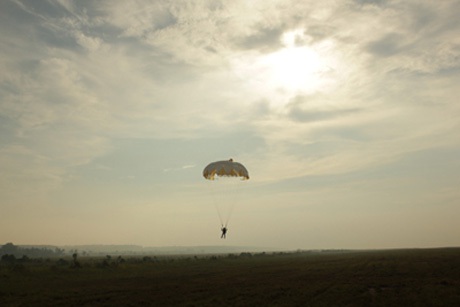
[(345, 113)]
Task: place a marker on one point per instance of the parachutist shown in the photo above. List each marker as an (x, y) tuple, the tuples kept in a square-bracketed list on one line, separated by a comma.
[(225, 175), (224, 232)]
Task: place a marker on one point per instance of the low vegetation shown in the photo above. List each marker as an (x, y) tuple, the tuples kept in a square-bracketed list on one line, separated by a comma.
[(413, 277)]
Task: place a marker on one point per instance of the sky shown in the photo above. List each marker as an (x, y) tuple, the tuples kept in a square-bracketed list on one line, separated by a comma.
[(345, 113)]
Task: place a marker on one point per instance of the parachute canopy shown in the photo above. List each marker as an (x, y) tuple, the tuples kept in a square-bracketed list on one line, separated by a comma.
[(225, 169)]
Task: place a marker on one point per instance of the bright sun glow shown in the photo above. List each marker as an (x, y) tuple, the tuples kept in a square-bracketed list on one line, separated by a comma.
[(293, 69), (297, 68)]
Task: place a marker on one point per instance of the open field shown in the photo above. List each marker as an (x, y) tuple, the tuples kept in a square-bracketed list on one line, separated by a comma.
[(413, 277)]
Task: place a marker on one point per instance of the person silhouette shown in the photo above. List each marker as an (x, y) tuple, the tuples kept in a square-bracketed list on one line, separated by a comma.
[(224, 232)]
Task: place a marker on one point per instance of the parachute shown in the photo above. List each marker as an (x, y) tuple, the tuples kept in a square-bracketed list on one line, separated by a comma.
[(225, 168), (224, 178)]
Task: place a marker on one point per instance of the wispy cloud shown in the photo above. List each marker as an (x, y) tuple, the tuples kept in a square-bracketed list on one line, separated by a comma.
[(178, 168)]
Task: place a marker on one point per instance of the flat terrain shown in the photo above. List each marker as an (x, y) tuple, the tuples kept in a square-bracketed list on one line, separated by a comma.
[(413, 277)]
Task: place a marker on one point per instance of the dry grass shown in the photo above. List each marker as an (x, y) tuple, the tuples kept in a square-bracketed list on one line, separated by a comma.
[(425, 277)]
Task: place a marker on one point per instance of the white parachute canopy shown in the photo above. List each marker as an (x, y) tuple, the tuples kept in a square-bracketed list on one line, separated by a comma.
[(225, 178), (225, 169)]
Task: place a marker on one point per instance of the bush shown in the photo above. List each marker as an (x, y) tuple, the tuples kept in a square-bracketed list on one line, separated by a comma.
[(62, 262), (7, 258)]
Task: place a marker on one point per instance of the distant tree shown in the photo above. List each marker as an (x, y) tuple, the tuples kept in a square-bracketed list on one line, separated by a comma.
[(59, 251), (9, 248), (75, 264), (32, 252), (147, 259)]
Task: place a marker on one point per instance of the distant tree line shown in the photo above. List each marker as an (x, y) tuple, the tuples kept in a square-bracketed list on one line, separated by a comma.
[(10, 251)]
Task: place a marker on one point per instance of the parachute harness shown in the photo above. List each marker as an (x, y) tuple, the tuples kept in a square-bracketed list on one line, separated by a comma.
[(224, 194)]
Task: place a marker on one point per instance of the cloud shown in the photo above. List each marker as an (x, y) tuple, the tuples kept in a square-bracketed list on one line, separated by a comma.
[(188, 166), (389, 45), (371, 2), (418, 39), (26, 175), (178, 168), (265, 39), (101, 72), (307, 109)]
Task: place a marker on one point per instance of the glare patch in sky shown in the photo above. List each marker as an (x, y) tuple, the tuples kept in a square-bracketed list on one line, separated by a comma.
[(297, 68)]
